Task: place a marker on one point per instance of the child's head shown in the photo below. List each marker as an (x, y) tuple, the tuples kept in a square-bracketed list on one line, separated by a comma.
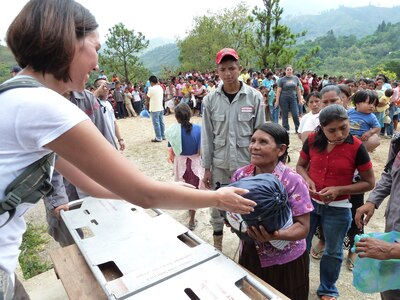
[(263, 90), (352, 84), (389, 92), (365, 101), (313, 101), (274, 87), (363, 84)]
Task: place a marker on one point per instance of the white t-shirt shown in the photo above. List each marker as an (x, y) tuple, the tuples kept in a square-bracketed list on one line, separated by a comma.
[(109, 114), (308, 122), (30, 118), (156, 95)]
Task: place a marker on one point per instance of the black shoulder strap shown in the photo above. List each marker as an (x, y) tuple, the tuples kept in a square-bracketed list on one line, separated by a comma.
[(19, 82), (33, 183)]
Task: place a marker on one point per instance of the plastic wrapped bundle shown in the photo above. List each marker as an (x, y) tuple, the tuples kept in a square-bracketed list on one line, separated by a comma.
[(373, 275), (272, 210)]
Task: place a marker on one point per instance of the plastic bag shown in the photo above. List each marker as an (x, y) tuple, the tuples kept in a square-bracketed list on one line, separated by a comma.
[(145, 113), (373, 275)]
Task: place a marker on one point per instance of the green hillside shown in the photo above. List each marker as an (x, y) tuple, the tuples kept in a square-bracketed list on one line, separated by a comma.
[(163, 56), (348, 56), (359, 21), (7, 61)]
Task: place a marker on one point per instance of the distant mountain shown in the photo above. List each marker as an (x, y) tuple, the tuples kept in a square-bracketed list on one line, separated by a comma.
[(166, 55), (158, 42), (358, 21)]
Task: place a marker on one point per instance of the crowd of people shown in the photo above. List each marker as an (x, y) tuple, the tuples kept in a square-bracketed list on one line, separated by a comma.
[(338, 120)]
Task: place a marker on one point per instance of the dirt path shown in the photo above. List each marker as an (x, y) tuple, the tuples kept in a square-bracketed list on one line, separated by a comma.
[(150, 158)]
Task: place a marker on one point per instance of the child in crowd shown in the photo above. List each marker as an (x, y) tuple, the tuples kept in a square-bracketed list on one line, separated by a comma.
[(264, 92), (128, 103), (363, 123), (274, 111), (184, 152), (363, 84), (310, 120), (382, 107)]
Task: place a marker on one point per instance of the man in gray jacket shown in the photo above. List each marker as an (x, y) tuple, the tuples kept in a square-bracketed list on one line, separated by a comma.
[(230, 115), (388, 185)]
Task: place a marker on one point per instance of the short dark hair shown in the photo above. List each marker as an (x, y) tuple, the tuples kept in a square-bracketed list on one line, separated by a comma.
[(389, 93), (344, 89), (96, 84), (44, 34), (315, 94), (365, 95), (153, 79)]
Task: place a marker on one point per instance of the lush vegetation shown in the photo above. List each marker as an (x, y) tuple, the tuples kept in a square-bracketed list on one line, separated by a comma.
[(349, 56), (163, 57), (34, 243), (6, 62), (120, 55), (345, 41)]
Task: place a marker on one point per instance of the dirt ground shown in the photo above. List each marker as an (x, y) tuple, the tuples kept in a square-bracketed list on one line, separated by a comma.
[(150, 158)]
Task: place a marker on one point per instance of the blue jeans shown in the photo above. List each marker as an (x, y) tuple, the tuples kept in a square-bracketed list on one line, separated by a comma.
[(392, 110), (289, 104), (158, 123), (335, 222), (274, 112)]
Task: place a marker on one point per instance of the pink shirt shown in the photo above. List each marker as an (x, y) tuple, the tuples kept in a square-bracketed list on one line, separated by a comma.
[(300, 203)]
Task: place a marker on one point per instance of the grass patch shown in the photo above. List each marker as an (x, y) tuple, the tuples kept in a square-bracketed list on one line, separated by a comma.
[(34, 243)]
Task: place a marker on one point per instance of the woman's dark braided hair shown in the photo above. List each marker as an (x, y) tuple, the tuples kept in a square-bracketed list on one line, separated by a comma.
[(183, 113)]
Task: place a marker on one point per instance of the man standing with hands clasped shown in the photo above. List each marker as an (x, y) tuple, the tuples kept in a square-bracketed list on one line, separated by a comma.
[(230, 115)]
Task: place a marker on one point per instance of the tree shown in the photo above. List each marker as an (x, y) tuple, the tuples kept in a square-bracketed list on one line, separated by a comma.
[(229, 28), (274, 42), (120, 53)]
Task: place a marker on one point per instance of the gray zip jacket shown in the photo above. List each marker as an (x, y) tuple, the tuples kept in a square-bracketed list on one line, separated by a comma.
[(389, 185), (227, 127)]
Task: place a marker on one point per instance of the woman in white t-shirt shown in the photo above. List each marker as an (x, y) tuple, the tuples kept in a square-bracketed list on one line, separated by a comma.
[(60, 53)]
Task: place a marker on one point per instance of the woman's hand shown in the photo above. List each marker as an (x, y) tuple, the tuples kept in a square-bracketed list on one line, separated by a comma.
[(311, 187), (329, 194), (229, 199), (261, 235)]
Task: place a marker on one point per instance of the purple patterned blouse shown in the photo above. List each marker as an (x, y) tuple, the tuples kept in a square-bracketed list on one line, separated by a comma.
[(300, 203)]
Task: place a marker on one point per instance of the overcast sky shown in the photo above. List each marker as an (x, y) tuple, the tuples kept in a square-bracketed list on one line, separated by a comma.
[(171, 19)]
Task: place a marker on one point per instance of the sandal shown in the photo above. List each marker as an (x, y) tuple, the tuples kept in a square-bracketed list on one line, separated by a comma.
[(350, 264), (316, 252), (327, 297)]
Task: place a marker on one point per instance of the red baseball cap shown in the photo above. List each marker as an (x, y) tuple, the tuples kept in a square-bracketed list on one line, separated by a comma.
[(224, 52)]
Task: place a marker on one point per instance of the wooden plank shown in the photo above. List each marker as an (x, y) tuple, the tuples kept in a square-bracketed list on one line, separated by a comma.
[(75, 275)]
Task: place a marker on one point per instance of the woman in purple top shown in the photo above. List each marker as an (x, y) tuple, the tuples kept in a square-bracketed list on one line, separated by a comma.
[(286, 269)]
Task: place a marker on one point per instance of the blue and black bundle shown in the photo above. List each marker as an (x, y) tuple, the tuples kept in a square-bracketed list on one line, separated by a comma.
[(272, 210)]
